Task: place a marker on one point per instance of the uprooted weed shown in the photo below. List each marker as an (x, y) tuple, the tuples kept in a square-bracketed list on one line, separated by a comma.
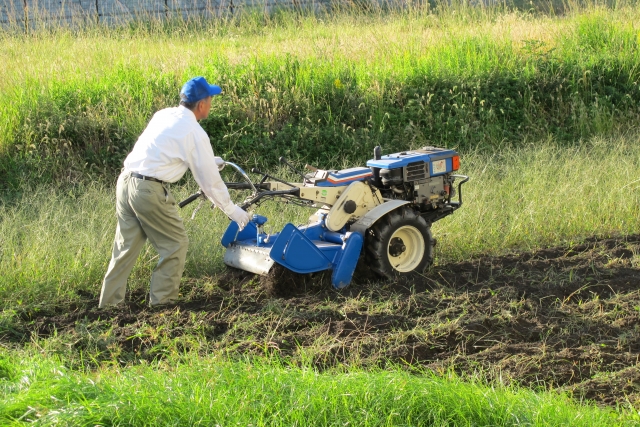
[(564, 317)]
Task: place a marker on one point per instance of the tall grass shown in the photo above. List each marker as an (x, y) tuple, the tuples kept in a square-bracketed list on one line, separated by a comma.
[(544, 194), (266, 393), (72, 103), (54, 243)]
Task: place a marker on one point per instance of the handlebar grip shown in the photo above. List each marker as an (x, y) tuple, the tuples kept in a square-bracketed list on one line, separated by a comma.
[(189, 199)]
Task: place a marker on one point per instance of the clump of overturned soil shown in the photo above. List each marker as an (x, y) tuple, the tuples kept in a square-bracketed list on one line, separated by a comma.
[(564, 318)]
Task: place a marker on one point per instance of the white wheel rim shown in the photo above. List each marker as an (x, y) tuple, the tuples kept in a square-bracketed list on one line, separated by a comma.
[(411, 257)]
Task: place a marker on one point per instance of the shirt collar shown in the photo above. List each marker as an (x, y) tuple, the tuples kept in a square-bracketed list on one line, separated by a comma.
[(185, 110)]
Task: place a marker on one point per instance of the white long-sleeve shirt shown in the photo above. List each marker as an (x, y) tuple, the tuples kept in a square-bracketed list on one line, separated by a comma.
[(173, 142)]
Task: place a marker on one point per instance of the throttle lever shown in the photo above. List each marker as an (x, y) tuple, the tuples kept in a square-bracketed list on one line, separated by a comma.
[(259, 172), (284, 161)]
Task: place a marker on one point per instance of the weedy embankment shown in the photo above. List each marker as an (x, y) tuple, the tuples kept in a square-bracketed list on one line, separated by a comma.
[(320, 91)]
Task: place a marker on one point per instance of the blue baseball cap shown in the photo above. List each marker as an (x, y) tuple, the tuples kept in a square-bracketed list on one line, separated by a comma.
[(197, 88)]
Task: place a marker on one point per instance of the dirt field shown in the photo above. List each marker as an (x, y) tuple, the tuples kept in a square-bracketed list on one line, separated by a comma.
[(564, 318)]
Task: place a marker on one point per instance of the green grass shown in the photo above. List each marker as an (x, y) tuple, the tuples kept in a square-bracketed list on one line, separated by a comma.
[(542, 194), (194, 391), (72, 103), (54, 243)]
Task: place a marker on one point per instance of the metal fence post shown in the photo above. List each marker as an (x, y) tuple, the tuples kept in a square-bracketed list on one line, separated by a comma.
[(26, 16)]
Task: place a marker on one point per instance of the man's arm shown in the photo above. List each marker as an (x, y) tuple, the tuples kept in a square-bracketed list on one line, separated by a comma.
[(204, 168), (205, 171)]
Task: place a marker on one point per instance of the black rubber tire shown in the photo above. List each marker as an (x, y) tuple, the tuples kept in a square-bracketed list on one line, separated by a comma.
[(377, 243)]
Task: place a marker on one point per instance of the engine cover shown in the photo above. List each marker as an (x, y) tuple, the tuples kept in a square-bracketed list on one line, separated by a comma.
[(419, 164)]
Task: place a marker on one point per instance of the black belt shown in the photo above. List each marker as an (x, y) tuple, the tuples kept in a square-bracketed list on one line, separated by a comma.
[(146, 178)]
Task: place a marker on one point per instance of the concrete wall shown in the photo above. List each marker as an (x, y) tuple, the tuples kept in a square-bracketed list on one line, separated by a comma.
[(35, 13)]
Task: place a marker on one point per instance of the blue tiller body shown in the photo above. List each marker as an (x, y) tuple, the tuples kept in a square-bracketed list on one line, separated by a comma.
[(382, 212), (304, 249)]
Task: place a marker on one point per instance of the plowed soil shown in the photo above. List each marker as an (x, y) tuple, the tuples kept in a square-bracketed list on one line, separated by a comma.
[(564, 318)]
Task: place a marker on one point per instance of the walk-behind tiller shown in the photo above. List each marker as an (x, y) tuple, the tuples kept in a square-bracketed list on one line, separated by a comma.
[(384, 210)]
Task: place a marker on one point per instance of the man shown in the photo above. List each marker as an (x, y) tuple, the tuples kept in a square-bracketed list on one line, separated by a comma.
[(173, 142)]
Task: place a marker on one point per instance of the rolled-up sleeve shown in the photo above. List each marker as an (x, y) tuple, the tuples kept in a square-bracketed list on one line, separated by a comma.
[(205, 171)]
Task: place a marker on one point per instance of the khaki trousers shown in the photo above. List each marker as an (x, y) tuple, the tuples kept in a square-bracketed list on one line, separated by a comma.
[(145, 210)]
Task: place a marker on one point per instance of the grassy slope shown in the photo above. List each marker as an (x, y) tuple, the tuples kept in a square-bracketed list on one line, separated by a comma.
[(323, 92)]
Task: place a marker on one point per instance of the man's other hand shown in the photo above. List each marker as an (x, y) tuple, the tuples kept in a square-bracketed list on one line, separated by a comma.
[(219, 162), (240, 217)]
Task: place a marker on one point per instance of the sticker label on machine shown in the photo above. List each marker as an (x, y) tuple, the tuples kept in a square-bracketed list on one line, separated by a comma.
[(439, 166)]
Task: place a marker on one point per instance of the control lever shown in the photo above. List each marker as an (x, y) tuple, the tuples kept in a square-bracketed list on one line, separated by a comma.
[(284, 161), (266, 175)]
